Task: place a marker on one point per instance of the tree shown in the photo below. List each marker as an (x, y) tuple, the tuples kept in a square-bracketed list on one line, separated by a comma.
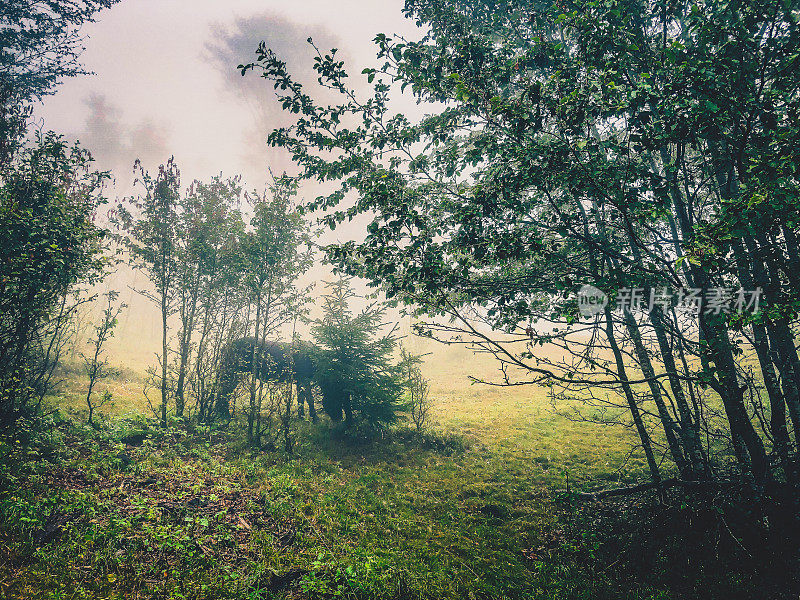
[(417, 388), (48, 198), (354, 363), (273, 257), (212, 244), (40, 45), (207, 220), (149, 223), (49, 195), (95, 364), (625, 145)]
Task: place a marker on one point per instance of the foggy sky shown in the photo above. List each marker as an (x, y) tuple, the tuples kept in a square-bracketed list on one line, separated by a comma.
[(166, 80)]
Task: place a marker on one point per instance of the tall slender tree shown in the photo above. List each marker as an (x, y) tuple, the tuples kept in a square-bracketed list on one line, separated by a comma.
[(149, 222), (275, 252)]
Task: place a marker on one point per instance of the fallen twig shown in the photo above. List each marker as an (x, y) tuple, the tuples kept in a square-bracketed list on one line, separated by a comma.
[(633, 489)]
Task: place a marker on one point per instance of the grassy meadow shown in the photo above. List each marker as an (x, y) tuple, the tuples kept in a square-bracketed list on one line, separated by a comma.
[(477, 507)]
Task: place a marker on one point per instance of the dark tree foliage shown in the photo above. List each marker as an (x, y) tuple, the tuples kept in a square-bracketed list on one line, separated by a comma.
[(354, 364), (49, 196)]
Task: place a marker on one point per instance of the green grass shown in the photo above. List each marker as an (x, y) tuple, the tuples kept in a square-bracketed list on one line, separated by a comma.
[(475, 510), (191, 518)]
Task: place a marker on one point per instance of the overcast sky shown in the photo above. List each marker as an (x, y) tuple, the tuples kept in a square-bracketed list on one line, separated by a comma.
[(166, 80)]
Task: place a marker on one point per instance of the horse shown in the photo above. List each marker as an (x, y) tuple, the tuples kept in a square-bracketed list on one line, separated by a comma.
[(275, 361)]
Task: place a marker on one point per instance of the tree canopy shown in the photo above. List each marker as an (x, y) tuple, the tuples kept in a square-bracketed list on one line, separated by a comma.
[(40, 45)]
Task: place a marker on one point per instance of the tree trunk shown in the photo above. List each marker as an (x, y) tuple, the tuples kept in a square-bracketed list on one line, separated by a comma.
[(347, 407), (689, 427), (254, 359), (767, 359), (164, 350), (747, 444), (621, 371), (631, 400), (667, 421)]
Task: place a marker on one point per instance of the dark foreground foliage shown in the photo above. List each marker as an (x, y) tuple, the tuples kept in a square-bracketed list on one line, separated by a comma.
[(700, 543)]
